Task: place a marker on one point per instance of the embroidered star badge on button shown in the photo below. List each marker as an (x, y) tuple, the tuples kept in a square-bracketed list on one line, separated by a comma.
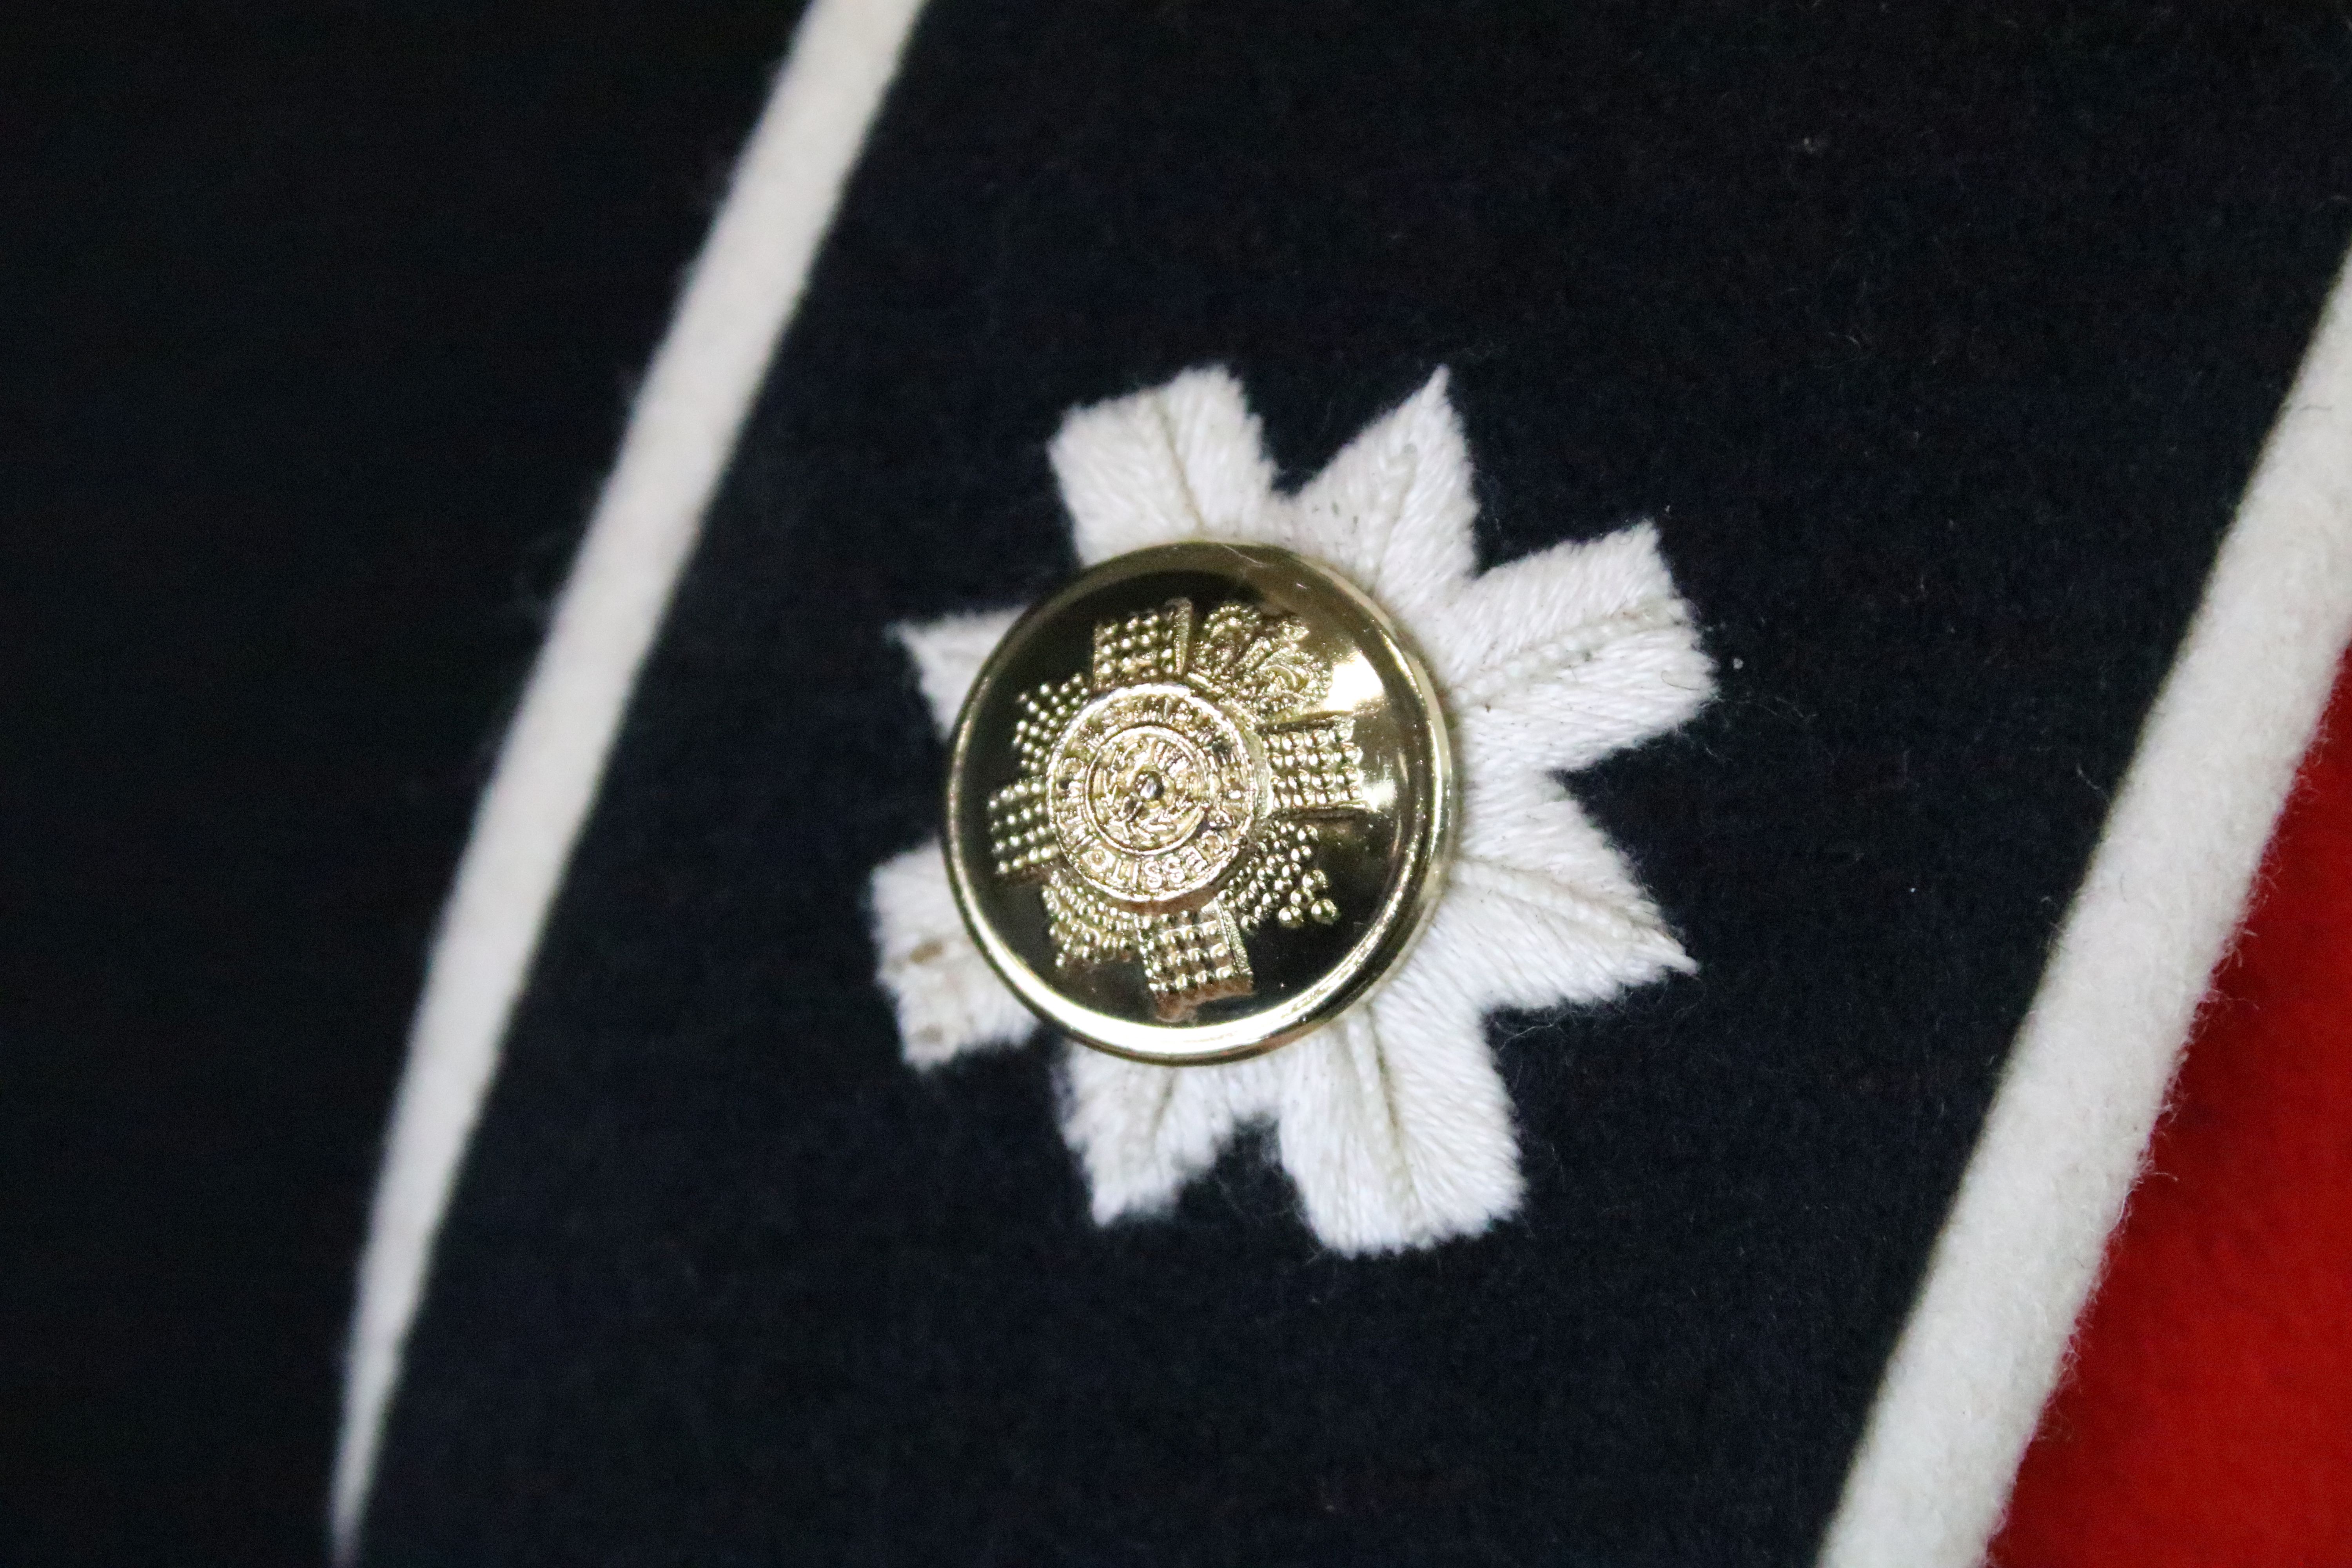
[(1199, 808)]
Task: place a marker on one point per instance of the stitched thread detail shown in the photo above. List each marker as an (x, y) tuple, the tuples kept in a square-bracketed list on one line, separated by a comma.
[(1392, 1123)]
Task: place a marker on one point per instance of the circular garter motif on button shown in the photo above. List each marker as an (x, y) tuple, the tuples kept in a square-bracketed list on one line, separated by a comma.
[(1198, 801)]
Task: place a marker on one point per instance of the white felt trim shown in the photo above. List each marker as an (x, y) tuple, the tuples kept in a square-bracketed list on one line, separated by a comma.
[(742, 291), (2021, 1248), (1393, 1124)]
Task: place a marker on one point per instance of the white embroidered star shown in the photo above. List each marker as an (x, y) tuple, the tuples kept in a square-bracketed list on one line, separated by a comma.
[(1392, 1123)]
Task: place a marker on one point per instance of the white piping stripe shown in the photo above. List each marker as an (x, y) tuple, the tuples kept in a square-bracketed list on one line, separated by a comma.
[(2021, 1248), (741, 293)]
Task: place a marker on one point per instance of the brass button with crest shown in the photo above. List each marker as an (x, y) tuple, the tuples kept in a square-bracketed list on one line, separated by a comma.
[(1198, 801)]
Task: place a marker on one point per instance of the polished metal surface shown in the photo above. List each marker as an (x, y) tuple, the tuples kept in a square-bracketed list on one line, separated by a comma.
[(1198, 801)]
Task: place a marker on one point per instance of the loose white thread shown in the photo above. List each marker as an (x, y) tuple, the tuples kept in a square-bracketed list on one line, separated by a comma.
[(1392, 1123)]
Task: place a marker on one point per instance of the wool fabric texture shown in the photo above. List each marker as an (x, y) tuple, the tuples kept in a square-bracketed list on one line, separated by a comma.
[(2083, 1084), (1915, 333), (1939, 339), (2207, 1416), (743, 292), (322, 323)]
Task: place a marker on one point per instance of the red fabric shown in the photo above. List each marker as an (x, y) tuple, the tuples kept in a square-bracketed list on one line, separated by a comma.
[(2208, 1420)]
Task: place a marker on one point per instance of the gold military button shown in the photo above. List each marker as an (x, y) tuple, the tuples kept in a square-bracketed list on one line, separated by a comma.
[(1198, 801)]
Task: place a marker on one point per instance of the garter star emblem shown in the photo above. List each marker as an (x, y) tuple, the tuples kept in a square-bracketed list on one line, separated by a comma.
[(1141, 807), (1189, 746)]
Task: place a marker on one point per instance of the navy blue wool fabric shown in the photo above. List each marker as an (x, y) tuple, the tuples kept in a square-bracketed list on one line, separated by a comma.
[(1939, 340), (320, 324)]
